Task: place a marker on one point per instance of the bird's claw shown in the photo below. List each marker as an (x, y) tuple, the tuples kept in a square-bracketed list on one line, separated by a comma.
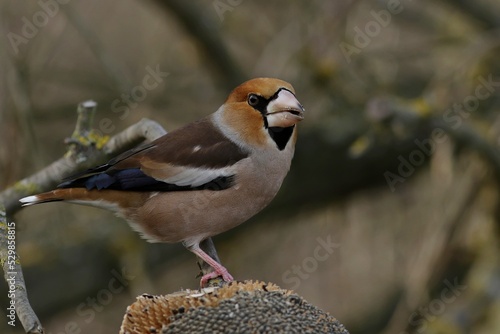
[(226, 276)]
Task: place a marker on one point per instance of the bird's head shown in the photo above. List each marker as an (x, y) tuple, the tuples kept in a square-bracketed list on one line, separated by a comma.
[(261, 107)]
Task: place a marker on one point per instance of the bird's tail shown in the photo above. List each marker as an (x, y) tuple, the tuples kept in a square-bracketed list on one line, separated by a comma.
[(55, 195), (108, 199)]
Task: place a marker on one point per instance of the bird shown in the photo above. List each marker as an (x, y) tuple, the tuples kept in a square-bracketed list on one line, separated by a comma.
[(201, 179)]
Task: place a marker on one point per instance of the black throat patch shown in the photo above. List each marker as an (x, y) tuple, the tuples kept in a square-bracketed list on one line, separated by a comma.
[(281, 136)]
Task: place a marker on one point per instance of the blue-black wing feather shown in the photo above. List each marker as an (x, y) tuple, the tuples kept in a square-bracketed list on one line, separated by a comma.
[(133, 179), (175, 148)]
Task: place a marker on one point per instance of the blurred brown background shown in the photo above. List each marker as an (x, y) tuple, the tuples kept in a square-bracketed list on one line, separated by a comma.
[(389, 216)]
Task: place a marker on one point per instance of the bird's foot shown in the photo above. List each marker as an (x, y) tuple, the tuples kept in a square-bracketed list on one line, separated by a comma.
[(226, 276)]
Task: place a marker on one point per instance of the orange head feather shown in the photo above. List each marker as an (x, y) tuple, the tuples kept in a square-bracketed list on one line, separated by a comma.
[(247, 109)]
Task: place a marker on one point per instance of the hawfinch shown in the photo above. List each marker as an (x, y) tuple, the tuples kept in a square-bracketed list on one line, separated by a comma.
[(201, 179)]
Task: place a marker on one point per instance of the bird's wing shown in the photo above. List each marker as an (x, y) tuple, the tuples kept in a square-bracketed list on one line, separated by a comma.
[(195, 156)]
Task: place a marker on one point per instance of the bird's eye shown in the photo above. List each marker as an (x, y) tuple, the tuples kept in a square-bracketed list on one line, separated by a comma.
[(253, 100)]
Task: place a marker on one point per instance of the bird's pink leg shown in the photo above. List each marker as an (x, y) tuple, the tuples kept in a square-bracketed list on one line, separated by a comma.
[(220, 270)]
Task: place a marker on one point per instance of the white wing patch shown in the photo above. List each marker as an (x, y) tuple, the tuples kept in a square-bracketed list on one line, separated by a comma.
[(194, 177)]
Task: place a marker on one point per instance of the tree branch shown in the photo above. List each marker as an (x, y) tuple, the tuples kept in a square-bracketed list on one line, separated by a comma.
[(86, 148), (13, 275)]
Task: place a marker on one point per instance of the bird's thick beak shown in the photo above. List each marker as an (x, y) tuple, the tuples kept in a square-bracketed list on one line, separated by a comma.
[(285, 110)]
